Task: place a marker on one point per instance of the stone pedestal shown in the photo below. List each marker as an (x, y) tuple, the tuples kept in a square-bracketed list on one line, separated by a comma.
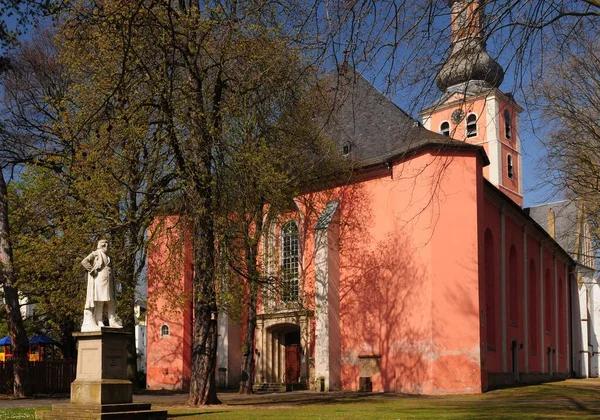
[(102, 368), (101, 388)]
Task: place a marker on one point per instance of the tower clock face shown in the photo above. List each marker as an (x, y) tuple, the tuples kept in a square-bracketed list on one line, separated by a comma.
[(457, 116)]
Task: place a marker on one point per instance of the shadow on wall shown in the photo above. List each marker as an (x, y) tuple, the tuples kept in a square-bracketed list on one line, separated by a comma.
[(456, 349), (169, 306), (385, 314)]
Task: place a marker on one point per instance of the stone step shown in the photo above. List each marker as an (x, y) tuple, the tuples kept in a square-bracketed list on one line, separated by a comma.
[(106, 411), (279, 387), (125, 415), (104, 408)]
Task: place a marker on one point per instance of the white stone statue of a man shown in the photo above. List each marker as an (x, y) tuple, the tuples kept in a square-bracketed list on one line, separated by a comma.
[(100, 290)]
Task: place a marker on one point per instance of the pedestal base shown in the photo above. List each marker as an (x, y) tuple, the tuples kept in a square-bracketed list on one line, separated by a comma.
[(104, 411), (101, 389), (104, 391)]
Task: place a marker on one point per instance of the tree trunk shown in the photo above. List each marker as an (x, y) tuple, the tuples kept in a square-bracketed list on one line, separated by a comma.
[(67, 341), (247, 380), (203, 388), (127, 312), (252, 241), (18, 336)]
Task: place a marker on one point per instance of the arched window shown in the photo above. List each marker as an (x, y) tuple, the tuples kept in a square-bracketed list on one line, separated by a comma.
[(532, 296), (490, 290), (346, 149), (507, 124), (472, 125), (164, 331), (445, 129), (561, 316), (513, 286), (290, 261), (509, 166), (548, 297)]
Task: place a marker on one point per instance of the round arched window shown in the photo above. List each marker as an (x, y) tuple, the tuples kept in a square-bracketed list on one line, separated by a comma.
[(165, 331), (472, 125), (507, 124), (445, 129)]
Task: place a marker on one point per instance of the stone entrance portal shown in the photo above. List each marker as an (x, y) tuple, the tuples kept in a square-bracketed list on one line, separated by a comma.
[(282, 348)]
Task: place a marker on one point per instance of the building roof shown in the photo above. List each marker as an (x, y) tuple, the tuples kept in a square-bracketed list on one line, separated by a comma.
[(565, 222), (376, 129), (525, 214)]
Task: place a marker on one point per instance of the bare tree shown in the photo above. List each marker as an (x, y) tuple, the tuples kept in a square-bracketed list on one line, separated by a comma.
[(570, 100)]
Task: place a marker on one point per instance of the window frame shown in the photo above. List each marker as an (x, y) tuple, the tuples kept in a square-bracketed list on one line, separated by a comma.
[(507, 124), (162, 328), (510, 166), (471, 124), (442, 129), (289, 287)]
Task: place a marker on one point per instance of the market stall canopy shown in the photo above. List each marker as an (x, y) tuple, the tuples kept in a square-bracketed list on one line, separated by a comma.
[(41, 339)]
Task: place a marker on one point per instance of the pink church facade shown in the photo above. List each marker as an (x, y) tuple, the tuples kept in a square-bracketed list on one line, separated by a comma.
[(424, 275)]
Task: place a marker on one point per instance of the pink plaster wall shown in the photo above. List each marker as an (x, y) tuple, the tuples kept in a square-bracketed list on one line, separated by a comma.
[(169, 302), (409, 276), (515, 330)]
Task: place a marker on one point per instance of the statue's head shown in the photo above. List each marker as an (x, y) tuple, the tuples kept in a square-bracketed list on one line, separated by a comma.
[(103, 244)]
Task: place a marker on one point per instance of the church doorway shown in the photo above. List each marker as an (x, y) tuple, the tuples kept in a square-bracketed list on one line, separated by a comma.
[(292, 357), (283, 349)]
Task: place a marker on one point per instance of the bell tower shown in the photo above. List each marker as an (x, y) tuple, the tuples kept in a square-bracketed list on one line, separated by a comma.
[(472, 107)]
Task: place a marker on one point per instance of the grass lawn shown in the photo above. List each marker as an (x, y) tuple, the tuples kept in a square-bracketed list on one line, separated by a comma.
[(568, 399)]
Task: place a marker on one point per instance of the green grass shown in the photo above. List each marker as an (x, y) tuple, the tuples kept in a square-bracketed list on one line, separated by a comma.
[(17, 413), (569, 399)]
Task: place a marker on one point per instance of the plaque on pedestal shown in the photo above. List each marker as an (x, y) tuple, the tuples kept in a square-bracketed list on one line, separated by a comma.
[(101, 388)]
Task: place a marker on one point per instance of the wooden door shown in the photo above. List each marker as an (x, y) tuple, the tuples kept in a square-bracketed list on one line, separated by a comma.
[(292, 363)]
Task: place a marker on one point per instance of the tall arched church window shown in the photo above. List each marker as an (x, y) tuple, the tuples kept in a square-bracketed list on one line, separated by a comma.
[(490, 290), (507, 124), (561, 316), (290, 261), (548, 299), (445, 129), (510, 167), (513, 286), (472, 125), (533, 295)]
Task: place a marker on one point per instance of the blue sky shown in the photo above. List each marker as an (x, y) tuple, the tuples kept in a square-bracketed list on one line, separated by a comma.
[(531, 125)]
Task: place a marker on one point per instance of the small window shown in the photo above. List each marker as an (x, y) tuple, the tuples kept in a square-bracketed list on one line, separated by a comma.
[(472, 125), (346, 149), (445, 129), (164, 331), (507, 124), (509, 165)]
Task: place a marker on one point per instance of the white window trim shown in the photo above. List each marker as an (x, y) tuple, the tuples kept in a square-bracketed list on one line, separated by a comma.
[(168, 331), (281, 258), (507, 136), (467, 125), (510, 166), (449, 127)]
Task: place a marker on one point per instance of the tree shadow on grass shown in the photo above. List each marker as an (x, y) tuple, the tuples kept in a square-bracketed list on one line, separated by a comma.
[(200, 413), (317, 399)]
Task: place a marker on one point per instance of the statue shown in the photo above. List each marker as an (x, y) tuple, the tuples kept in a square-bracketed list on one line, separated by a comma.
[(100, 290)]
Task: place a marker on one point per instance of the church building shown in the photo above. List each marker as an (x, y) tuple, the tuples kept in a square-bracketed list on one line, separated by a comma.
[(424, 275)]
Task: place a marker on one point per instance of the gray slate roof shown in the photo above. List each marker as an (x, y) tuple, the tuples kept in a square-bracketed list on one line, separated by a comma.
[(378, 130), (565, 222)]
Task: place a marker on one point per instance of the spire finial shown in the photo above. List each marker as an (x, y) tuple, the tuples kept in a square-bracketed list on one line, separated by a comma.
[(469, 60)]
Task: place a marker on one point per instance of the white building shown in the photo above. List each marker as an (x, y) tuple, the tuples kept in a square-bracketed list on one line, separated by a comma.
[(140, 335)]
